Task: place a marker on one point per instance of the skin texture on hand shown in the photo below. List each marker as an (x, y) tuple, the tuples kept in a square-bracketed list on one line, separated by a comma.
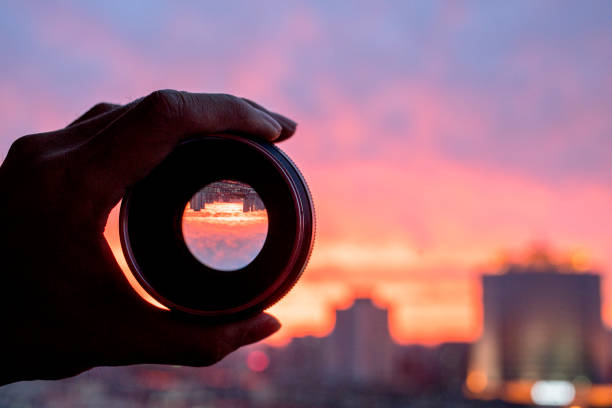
[(66, 305)]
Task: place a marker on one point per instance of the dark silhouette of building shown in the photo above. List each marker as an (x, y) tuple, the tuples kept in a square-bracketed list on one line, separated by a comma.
[(252, 202), (227, 191), (198, 201)]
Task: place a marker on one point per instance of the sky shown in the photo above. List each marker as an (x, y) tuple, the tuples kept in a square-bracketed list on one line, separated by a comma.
[(438, 138), (224, 237)]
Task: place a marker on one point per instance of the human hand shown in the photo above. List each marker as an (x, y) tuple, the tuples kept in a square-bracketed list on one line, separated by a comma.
[(65, 304)]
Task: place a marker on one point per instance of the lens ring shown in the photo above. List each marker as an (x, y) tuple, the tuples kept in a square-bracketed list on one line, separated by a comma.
[(153, 242)]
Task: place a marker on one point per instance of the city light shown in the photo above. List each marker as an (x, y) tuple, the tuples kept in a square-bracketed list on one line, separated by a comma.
[(580, 261), (257, 361), (553, 393), (476, 382)]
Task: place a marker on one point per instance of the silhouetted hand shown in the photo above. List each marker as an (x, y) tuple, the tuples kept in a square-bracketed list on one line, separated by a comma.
[(65, 304)]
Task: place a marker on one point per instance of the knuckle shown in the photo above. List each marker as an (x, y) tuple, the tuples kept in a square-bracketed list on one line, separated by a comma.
[(238, 108), (25, 147), (165, 104), (101, 107), (94, 112), (32, 167)]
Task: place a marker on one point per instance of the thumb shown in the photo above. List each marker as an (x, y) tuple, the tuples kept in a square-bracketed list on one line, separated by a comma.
[(252, 331), (188, 342)]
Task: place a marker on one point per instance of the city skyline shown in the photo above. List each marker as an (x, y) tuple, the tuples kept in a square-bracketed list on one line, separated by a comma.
[(543, 343), (226, 191), (319, 321), (360, 358)]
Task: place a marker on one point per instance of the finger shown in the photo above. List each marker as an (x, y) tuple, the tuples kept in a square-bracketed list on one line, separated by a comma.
[(289, 126), (171, 341), (144, 334), (94, 111), (131, 146), (83, 128)]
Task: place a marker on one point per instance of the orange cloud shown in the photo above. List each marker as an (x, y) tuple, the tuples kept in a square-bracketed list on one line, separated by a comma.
[(223, 236)]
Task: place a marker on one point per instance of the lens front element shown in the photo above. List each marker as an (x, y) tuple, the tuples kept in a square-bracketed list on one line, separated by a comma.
[(225, 225)]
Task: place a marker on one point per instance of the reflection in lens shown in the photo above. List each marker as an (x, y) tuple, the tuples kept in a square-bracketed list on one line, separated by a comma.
[(225, 225)]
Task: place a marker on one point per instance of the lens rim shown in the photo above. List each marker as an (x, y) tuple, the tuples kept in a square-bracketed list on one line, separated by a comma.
[(293, 226)]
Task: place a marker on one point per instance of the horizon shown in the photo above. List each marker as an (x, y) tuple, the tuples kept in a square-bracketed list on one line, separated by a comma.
[(536, 258)]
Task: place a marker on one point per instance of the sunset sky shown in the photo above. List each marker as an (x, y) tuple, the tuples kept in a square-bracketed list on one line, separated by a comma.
[(224, 237), (438, 138)]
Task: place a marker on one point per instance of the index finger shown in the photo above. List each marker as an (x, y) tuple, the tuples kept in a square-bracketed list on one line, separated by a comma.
[(134, 143)]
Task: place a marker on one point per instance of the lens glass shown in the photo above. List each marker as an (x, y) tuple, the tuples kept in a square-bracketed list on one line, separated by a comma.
[(225, 225)]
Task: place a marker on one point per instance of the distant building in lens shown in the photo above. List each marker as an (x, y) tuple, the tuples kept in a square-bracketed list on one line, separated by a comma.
[(252, 202), (541, 323), (197, 202), (225, 192)]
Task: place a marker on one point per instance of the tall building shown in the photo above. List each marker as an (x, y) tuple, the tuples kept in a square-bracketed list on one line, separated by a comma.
[(252, 202), (360, 348), (358, 351), (197, 202), (541, 324)]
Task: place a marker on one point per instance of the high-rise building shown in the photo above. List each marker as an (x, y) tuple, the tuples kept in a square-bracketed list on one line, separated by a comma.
[(197, 202), (542, 325), (252, 202), (360, 348)]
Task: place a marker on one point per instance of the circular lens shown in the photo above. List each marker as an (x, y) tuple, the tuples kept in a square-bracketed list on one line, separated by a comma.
[(179, 244), (225, 225)]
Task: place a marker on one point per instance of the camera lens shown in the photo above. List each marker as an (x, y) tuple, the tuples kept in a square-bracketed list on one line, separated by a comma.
[(223, 227)]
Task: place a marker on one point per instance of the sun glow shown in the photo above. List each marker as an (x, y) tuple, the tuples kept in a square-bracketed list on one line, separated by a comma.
[(226, 214)]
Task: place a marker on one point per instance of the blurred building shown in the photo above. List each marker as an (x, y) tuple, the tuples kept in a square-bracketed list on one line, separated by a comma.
[(358, 351), (360, 348), (542, 329)]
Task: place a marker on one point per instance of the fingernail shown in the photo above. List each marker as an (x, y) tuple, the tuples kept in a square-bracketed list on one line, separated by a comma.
[(277, 127), (291, 124), (288, 123)]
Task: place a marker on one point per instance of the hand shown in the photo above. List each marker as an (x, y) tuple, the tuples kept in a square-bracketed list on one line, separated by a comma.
[(65, 304)]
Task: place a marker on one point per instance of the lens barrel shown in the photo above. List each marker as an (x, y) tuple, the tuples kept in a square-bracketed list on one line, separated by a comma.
[(153, 242)]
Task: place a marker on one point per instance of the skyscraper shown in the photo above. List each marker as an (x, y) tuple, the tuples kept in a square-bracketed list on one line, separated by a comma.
[(540, 324), (360, 348), (197, 202)]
